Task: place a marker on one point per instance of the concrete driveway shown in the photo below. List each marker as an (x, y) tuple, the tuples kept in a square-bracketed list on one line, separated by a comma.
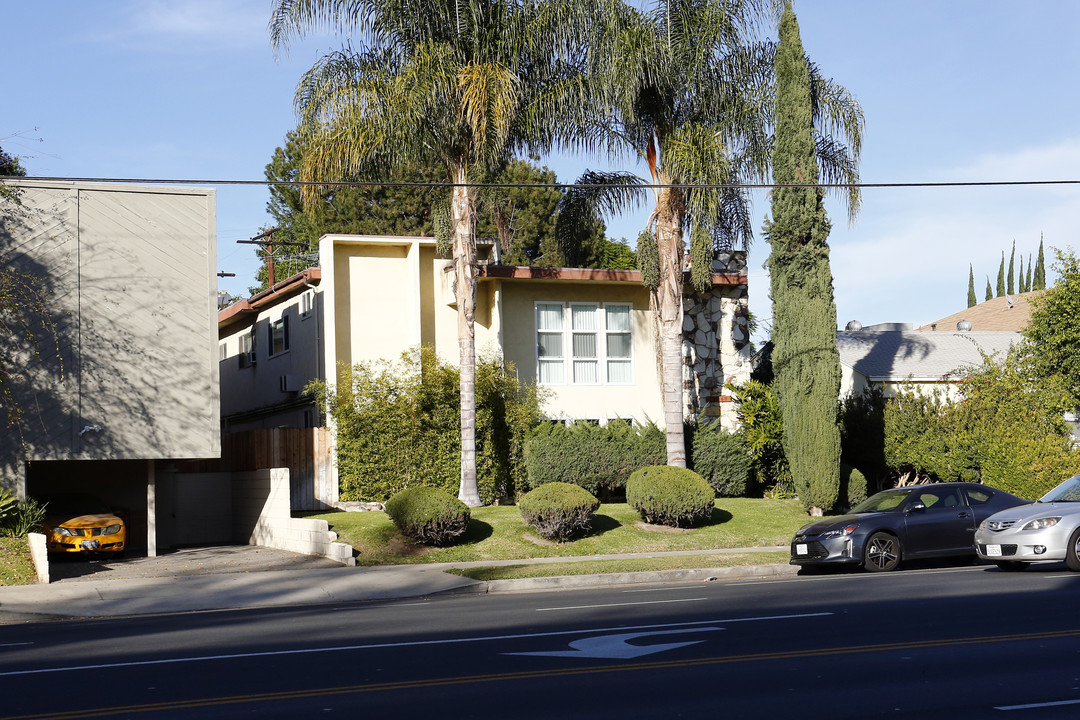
[(184, 562)]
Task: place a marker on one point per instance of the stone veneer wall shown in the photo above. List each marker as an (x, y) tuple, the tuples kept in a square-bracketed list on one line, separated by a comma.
[(716, 344)]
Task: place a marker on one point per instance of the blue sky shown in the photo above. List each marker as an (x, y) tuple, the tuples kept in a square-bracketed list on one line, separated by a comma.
[(964, 90)]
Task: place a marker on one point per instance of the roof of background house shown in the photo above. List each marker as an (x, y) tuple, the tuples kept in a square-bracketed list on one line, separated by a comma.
[(242, 311), (923, 356), (994, 314)]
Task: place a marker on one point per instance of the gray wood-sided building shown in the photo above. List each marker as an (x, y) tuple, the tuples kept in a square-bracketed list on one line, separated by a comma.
[(128, 380)]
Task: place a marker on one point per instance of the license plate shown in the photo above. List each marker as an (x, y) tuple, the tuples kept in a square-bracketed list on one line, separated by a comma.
[(993, 551), (802, 549), (91, 544)]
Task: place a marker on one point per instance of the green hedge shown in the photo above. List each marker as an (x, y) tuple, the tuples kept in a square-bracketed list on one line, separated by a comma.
[(723, 459), (852, 486), (398, 425), (429, 515), (667, 495), (558, 511), (598, 459)]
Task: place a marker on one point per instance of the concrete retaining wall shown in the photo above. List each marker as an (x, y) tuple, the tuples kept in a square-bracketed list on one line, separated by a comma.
[(39, 553), (262, 516)]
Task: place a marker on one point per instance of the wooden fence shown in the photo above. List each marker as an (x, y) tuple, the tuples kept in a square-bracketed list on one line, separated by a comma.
[(306, 452)]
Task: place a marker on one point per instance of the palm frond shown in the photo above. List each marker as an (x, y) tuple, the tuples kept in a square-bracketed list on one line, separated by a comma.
[(838, 167), (294, 18), (489, 95), (594, 194)]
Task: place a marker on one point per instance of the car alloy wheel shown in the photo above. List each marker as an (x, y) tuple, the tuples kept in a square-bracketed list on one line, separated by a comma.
[(1072, 550), (882, 552)]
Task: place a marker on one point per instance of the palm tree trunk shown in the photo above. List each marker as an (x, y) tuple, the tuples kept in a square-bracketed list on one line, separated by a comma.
[(464, 250), (669, 239)]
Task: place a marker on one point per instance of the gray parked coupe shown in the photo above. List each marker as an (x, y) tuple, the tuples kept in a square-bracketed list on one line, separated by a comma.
[(921, 521)]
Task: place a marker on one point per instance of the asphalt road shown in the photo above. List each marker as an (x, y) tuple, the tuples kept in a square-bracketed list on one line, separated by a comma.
[(970, 642)]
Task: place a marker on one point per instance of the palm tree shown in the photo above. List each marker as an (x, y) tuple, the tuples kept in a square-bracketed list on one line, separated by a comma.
[(684, 88), (460, 85)]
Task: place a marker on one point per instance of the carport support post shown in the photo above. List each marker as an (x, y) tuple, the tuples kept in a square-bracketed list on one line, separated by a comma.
[(151, 510)]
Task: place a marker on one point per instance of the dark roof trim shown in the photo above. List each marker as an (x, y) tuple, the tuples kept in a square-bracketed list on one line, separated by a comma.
[(508, 272), (290, 286)]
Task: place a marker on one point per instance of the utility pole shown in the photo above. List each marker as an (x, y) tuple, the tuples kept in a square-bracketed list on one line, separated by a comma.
[(266, 239)]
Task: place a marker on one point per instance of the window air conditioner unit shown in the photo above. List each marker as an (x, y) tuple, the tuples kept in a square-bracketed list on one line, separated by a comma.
[(289, 383), (251, 357)]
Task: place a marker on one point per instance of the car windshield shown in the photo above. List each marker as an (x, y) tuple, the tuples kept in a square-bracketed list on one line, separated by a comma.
[(883, 501), (1068, 491)]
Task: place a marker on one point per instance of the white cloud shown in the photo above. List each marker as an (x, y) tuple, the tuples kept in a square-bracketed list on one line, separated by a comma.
[(171, 25), (907, 259)]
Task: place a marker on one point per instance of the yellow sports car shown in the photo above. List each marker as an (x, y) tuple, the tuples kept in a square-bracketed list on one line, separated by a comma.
[(74, 526)]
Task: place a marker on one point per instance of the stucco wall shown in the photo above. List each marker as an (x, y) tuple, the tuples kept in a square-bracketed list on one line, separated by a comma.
[(252, 394), (639, 400)]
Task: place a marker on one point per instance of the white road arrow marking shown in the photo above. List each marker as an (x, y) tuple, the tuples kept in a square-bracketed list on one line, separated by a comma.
[(618, 646)]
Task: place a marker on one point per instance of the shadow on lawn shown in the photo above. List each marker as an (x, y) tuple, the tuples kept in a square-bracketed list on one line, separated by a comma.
[(477, 531), (600, 524), (718, 517)]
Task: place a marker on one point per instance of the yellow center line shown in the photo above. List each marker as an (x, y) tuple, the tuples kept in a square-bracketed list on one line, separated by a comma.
[(535, 674)]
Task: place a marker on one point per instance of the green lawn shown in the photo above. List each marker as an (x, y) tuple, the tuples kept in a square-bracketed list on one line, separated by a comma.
[(16, 567), (499, 533)]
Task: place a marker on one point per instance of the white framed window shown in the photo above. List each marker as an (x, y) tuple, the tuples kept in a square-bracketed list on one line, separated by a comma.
[(279, 336), (247, 349), (307, 304), (618, 344), (223, 351), (584, 343), (550, 356)]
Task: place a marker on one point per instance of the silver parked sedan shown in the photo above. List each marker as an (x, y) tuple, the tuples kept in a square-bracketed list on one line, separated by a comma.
[(1046, 531)]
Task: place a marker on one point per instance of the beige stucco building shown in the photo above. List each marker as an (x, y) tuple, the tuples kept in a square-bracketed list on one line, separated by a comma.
[(587, 336)]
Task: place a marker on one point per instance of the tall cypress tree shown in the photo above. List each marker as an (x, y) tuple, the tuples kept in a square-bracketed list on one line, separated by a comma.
[(989, 290), (1020, 285), (805, 359), (972, 300), (1040, 269), (1011, 287), (1001, 276), (1028, 284)]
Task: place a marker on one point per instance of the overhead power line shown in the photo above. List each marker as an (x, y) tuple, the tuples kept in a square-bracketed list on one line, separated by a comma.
[(624, 186)]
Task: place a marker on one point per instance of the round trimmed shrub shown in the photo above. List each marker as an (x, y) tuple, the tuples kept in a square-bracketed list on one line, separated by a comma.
[(723, 459), (558, 510), (667, 495), (429, 515)]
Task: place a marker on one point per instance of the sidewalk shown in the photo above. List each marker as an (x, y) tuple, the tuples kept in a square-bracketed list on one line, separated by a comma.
[(92, 597)]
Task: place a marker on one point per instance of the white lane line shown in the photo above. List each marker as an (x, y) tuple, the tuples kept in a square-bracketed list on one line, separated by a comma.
[(666, 588), (1038, 705), (413, 643), (625, 604), (15, 644)]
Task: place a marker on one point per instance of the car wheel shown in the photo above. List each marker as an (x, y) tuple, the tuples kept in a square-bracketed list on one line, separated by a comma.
[(882, 552), (1011, 565), (1072, 550)]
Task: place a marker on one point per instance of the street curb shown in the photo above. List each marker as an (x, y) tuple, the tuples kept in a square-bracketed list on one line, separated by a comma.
[(563, 582)]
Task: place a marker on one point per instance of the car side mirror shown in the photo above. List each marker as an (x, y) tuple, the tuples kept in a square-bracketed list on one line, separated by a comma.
[(916, 506)]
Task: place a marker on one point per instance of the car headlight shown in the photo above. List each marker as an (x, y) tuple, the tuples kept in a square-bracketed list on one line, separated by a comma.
[(112, 529), (65, 531), (839, 532), (1042, 523)]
